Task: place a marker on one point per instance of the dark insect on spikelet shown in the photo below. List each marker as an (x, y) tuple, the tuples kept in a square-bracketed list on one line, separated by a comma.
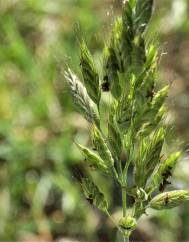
[(167, 173), (163, 185), (165, 182), (105, 85), (165, 176), (167, 199), (90, 199), (150, 93)]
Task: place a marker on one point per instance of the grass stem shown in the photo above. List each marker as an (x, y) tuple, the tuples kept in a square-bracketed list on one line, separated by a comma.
[(124, 201)]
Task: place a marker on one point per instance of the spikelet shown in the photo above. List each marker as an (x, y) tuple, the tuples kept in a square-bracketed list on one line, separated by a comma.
[(127, 35), (93, 159), (102, 148), (114, 139), (90, 75), (169, 200), (143, 14), (164, 171), (93, 194), (81, 99), (138, 54), (152, 112), (115, 42), (111, 67), (152, 155), (125, 109), (159, 99), (149, 156)]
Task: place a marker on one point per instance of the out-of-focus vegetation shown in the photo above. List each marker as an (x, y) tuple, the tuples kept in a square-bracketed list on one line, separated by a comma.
[(39, 198)]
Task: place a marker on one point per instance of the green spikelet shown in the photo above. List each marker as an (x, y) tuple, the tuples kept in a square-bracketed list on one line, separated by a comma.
[(159, 99), (124, 113), (151, 57), (114, 136), (164, 171), (90, 74), (149, 156), (114, 139), (150, 113), (169, 200), (153, 151), (140, 172), (93, 159), (111, 67), (125, 109), (101, 146), (94, 195), (143, 14), (138, 54), (81, 99), (150, 124), (127, 34), (112, 61), (115, 42)]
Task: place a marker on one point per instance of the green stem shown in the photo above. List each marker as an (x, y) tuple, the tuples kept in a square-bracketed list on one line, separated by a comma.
[(126, 238), (124, 201)]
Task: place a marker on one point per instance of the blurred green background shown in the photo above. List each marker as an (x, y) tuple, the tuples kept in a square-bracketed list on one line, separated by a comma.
[(39, 198)]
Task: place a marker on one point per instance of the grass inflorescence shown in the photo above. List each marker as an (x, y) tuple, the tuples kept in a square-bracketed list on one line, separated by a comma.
[(135, 121)]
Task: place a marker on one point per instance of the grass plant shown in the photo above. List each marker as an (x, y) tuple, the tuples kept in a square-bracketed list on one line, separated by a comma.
[(136, 119)]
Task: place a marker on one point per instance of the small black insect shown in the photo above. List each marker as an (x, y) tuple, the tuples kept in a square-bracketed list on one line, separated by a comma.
[(150, 94), (167, 199), (163, 185), (167, 174), (90, 199), (105, 85)]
